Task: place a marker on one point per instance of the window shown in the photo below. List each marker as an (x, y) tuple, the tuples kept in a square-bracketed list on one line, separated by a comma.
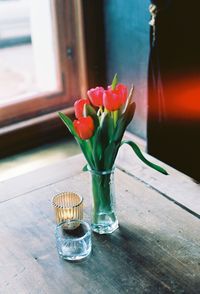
[(43, 64), (39, 47)]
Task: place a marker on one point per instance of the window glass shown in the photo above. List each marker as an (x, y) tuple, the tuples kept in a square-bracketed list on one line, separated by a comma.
[(28, 50)]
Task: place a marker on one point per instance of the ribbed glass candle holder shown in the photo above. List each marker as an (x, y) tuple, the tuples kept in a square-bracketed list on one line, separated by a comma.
[(68, 206)]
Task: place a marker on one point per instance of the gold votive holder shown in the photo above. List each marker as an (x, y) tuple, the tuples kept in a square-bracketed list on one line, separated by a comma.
[(68, 206)]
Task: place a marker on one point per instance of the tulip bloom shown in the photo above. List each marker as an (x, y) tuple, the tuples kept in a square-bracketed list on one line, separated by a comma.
[(114, 99), (111, 100), (122, 91), (78, 107), (96, 96), (84, 127)]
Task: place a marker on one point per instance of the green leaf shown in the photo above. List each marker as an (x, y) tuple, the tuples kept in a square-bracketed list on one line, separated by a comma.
[(110, 154), (114, 82), (123, 121), (128, 100), (67, 121), (106, 129), (111, 150), (85, 168), (84, 144), (97, 147), (102, 139), (110, 126), (137, 151)]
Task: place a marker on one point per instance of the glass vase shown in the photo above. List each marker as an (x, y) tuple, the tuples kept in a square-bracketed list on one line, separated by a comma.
[(104, 219)]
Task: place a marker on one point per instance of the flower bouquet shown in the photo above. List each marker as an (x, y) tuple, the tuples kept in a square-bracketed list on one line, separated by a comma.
[(100, 123)]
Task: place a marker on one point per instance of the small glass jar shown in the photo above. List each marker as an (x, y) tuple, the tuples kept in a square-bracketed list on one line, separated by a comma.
[(73, 244)]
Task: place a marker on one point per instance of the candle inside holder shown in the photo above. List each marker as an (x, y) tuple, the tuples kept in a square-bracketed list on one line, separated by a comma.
[(68, 206)]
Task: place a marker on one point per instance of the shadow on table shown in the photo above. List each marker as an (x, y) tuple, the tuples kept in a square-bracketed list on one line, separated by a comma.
[(158, 261)]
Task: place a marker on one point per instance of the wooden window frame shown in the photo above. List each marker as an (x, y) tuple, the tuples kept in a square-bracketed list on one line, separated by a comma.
[(30, 122)]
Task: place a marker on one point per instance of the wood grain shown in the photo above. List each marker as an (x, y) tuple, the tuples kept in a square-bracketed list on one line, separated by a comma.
[(177, 187), (156, 249)]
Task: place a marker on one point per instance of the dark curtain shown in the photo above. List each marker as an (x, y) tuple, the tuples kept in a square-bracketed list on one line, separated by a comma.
[(173, 129)]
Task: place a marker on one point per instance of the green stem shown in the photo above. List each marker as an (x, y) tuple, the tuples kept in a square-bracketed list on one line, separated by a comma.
[(89, 144), (115, 117)]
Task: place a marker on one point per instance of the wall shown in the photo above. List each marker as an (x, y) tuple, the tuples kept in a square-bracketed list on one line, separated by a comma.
[(127, 50)]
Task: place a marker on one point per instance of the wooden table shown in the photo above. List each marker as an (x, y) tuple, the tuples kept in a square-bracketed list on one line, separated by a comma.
[(155, 250)]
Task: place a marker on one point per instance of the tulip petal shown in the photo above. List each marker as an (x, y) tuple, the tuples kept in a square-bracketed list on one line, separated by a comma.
[(96, 96), (79, 106), (90, 111), (111, 100)]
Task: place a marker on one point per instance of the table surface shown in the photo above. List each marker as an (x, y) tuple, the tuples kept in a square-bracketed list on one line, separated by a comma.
[(155, 250)]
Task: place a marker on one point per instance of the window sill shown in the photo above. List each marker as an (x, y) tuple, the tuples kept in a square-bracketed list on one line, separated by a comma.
[(33, 132)]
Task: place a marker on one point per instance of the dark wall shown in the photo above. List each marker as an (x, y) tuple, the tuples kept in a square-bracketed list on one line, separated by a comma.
[(127, 50)]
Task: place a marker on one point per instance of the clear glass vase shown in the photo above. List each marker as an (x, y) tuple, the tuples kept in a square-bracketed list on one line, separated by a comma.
[(104, 220)]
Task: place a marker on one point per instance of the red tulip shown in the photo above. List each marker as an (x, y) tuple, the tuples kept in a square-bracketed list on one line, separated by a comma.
[(84, 127), (122, 91), (111, 100), (78, 107), (96, 96), (114, 99)]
